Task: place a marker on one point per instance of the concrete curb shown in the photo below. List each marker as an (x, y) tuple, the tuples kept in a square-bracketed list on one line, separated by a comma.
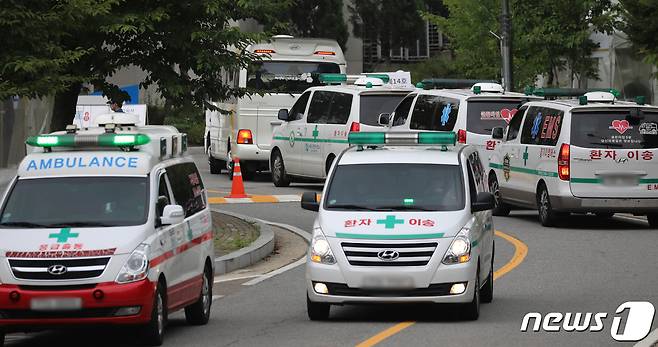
[(257, 250)]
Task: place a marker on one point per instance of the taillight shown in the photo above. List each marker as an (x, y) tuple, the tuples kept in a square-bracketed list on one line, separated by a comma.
[(461, 136), (563, 170), (355, 127), (264, 51), (325, 53), (245, 137)]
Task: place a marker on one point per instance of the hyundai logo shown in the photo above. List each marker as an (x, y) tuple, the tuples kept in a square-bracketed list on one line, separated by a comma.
[(388, 255), (57, 270)]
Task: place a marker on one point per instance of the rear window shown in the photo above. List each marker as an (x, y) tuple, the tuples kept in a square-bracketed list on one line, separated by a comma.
[(625, 129), (485, 115), (373, 105), (434, 113)]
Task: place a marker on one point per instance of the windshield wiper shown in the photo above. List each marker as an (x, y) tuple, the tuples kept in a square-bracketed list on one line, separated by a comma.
[(403, 207), (357, 207), (24, 225), (79, 225)]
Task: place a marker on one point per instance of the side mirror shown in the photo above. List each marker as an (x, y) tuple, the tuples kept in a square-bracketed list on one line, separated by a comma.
[(484, 201), (310, 201), (283, 114), (384, 119), (172, 214), (497, 133)]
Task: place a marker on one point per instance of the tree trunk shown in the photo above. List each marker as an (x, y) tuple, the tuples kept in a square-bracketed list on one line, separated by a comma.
[(64, 108)]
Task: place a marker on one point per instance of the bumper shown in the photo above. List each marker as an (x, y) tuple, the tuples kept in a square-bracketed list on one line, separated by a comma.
[(17, 315), (436, 290), (574, 204), (250, 153)]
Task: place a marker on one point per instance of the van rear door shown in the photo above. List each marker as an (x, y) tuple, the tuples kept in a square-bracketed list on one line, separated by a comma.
[(614, 153)]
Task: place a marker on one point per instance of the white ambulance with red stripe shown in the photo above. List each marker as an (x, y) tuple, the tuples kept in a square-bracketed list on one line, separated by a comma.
[(105, 225), (594, 154)]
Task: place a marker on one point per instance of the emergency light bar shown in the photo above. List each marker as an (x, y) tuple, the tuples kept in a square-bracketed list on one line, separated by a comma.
[(104, 140), (402, 138), (568, 92), (338, 78)]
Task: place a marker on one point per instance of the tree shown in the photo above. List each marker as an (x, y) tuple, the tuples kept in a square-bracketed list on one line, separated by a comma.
[(639, 23), (314, 18), (548, 36), (182, 45)]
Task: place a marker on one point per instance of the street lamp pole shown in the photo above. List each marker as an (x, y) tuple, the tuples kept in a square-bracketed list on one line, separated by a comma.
[(506, 32)]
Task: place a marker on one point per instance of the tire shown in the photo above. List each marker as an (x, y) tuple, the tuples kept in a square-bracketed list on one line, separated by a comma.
[(501, 209), (153, 332), (547, 216), (604, 215), (317, 311), (216, 165), (471, 311), (2, 339), (199, 312), (330, 161), (486, 293), (247, 173), (279, 176), (653, 220)]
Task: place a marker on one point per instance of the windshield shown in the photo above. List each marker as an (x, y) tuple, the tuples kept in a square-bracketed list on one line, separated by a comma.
[(387, 187), (373, 105), (623, 129), (485, 115), (287, 77), (76, 202)]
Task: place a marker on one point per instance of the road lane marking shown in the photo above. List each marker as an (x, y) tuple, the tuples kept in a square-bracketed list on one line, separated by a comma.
[(520, 252), (231, 279), (254, 199)]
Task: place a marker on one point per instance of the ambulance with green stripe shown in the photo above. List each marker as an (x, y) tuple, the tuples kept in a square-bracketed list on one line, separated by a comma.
[(315, 129), (592, 154), (105, 225), (404, 218)]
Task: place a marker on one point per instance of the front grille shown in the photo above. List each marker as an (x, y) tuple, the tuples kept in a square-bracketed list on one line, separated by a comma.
[(84, 313), (410, 254), (341, 289), (37, 269)]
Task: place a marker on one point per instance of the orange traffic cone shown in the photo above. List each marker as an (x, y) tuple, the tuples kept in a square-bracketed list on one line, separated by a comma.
[(237, 188)]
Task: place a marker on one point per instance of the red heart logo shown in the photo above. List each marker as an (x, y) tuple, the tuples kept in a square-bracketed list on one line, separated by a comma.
[(507, 114), (621, 126)]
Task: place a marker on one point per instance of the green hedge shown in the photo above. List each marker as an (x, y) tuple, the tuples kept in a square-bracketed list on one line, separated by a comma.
[(188, 120)]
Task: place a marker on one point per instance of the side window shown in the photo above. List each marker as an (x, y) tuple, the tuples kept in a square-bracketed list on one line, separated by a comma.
[(402, 110), (434, 113), (478, 172), (163, 195), (187, 187), (472, 190), (341, 106), (318, 110), (297, 110), (515, 124), (542, 126)]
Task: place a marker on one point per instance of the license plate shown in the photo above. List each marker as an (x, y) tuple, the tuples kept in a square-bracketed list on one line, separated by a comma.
[(388, 282), (621, 181), (56, 304)]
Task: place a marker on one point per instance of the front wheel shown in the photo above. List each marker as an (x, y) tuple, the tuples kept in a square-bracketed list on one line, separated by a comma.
[(153, 332), (653, 220), (471, 310), (279, 176), (317, 310), (486, 293), (199, 312), (501, 209), (2, 339)]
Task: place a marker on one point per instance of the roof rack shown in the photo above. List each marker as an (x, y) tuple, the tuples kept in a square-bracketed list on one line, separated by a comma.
[(451, 83)]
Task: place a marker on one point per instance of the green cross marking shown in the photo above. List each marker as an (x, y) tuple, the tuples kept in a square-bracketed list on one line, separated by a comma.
[(316, 133), (390, 221), (525, 156), (64, 235)]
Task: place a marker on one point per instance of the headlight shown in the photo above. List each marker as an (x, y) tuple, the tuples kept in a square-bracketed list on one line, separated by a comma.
[(460, 249), (320, 249), (136, 267)]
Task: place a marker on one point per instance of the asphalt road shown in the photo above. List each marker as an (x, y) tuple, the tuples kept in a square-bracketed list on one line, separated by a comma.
[(588, 265)]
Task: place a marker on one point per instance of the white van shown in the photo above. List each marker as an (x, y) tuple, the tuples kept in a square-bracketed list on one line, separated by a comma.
[(106, 225), (315, 129), (589, 155), (289, 67), (471, 113)]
